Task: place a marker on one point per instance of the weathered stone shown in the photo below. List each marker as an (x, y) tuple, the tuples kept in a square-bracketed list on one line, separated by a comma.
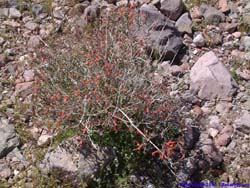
[(242, 124), (189, 167), (11, 23), (229, 27), (9, 139), (4, 12), (191, 136), (237, 34), (195, 13), (210, 79), (151, 14), (172, 8), (176, 70), (213, 156), (23, 89), (213, 132), (37, 9), (199, 40), (223, 6), (44, 138), (31, 25), (70, 161), (59, 14), (79, 9), (211, 14), (224, 137), (5, 171), (14, 13), (28, 75), (2, 60), (34, 41), (244, 174), (245, 43), (91, 13), (190, 98), (223, 107), (184, 24), (162, 40)]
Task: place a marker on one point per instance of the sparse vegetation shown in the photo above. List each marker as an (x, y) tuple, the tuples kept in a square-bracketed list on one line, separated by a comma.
[(101, 86)]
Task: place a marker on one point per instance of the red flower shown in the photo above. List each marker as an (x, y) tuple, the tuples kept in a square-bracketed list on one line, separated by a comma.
[(65, 99), (155, 152), (84, 130), (77, 92), (139, 147), (115, 126)]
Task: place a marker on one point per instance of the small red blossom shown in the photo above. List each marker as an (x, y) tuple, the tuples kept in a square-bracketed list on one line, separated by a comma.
[(115, 126), (155, 152), (77, 92), (84, 130), (139, 147), (65, 99)]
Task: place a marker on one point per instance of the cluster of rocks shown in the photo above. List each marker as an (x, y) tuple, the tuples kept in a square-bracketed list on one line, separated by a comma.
[(211, 52)]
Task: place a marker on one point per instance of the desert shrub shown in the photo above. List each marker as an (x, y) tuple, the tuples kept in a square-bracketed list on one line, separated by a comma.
[(99, 82)]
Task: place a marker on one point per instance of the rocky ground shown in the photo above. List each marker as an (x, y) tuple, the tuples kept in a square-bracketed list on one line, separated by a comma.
[(205, 56)]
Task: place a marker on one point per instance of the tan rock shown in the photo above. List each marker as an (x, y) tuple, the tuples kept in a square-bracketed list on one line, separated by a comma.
[(223, 6)]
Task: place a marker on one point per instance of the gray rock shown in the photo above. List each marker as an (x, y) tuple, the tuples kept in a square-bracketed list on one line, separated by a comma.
[(191, 98), (245, 43), (172, 8), (4, 12), (184, 24), (3, 60), (213, 132), (242, 123), (31, 25), (162, 41), (5, 171), (14, 13), (246, 104), (69, 161), (247, 56), (212, 154), (191, 136), (229, 27), (59, 14), (223, 107), (2, 41), (210, 79), (91, 13), (23, 89), (246, 18), (9, 139), (37, 9), (199, 40), (224, 137), (244, 174), (34, 41), (151, 14), (13, 3), (211, 14), (189, 167), (29, 75)]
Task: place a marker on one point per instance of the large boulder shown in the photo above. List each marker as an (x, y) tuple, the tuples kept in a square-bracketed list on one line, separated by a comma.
[(162, 39), (151, 14), (212, 15), (210, 79), (184, 24), (8, 138), (75, 163), (172, 8)]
